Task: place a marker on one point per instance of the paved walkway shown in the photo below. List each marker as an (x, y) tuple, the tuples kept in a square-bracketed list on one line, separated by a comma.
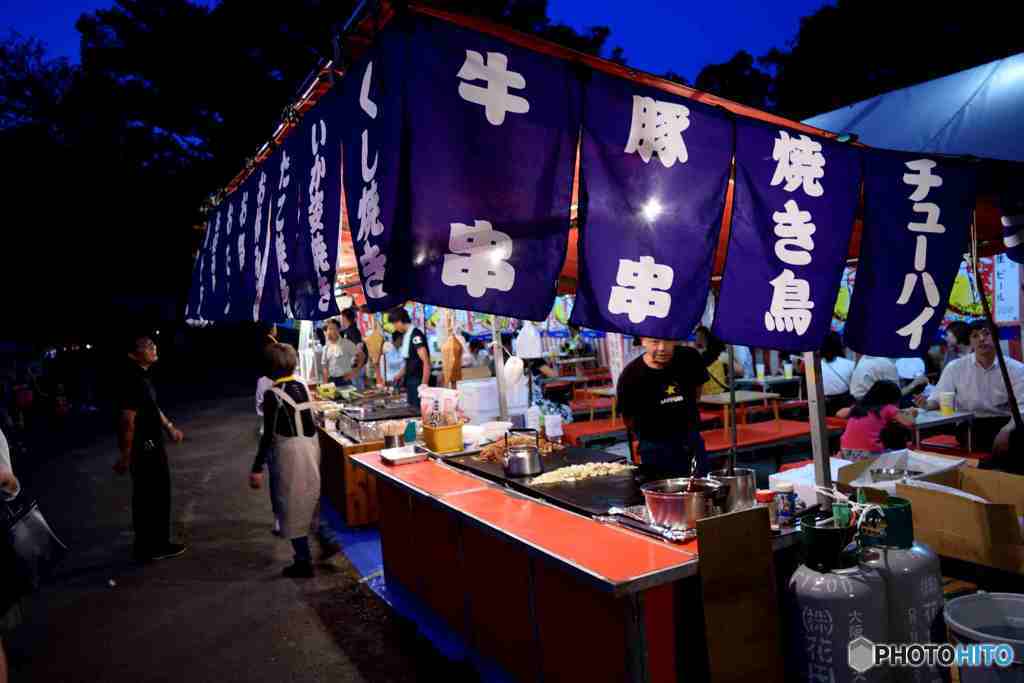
[(221, 612)]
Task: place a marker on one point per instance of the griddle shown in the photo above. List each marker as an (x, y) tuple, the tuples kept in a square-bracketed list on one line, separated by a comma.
[(393, 413), (589, 497)]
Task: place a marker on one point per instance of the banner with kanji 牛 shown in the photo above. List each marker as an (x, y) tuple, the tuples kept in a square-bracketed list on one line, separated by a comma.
[(312, 249), (210, 285), (793, 213), (917, 215), (492, 135), (655, 169), (200, 280), (370, 125)]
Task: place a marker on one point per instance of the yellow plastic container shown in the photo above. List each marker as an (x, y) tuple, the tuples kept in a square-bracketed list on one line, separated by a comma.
[(443, 439)]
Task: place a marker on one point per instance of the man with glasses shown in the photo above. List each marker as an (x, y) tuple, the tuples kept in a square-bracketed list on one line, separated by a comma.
[(977, 383), (141, 441)]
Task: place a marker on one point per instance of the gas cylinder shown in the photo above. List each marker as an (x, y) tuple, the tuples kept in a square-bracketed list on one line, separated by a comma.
[(833, 601), (912, 578)]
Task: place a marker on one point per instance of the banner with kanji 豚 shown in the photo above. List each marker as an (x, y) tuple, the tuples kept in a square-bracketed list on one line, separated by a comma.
[(492, 133), (793, 213), (917, 215), (653, 187)]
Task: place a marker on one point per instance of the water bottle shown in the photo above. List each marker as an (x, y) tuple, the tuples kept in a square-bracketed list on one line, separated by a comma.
[(553, 428), (533, 418)]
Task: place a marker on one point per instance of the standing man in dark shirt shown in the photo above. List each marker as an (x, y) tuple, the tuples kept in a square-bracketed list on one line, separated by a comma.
[(350, 330), (141, 441), (417, 358), (657, 398)]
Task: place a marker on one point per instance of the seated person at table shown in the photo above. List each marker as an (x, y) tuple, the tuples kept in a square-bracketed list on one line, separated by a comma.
[(977, 384), (657, 398), (875, 423), (871, 369), (836, 374), (911, 370), (958, 342), (716, 360)]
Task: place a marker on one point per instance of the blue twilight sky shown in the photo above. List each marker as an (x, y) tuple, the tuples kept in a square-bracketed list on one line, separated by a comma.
[(657, 35)]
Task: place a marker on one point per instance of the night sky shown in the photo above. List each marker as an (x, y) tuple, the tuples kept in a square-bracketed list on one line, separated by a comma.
[(657, 35)]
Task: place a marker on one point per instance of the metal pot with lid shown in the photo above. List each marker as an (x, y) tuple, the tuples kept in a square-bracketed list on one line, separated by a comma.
[(742, 483), (522, 460), (680, 503)]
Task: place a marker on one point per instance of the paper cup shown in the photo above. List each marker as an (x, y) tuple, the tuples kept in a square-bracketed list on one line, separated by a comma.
[(760, 370), (946, 402), (787, 370)]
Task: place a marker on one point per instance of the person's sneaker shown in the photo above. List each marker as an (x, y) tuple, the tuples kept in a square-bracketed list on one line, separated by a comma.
[(299, 570), (277, 528), (169, 551)]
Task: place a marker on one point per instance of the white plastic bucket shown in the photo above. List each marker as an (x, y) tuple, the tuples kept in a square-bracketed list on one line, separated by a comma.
[(996, 618)]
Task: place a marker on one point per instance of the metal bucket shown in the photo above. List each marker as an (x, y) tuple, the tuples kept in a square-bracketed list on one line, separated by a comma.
[(671, 502), (742, 488)]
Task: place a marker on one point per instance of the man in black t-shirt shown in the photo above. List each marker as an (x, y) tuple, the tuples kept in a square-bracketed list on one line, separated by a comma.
[(141, 440), (417, 359), (657, 398)]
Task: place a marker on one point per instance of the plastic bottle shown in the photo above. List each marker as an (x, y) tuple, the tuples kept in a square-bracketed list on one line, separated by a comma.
[(533, 418), (785, 499), (767, 499), (553, 428)]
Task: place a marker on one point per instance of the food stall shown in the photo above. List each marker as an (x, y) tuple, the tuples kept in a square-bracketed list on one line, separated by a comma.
[(563, 569)]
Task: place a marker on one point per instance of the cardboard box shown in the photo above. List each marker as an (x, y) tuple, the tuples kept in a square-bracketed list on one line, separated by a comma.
[(984, 533)]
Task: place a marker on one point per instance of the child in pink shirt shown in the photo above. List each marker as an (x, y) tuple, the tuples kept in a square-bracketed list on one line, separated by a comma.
[(869, 417)]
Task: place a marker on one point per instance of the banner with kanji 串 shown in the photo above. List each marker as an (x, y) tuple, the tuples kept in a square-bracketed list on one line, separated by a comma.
[(655, 174), (492, 132)]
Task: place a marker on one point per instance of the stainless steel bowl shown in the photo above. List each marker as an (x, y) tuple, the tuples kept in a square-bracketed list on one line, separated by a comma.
[(673, 503), (891, 474), (742, 488)]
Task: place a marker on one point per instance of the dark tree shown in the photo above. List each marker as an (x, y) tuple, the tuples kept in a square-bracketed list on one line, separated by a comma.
[(738, 79)]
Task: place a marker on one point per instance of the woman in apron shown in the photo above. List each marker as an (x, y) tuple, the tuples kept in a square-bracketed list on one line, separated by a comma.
[(289, 432)]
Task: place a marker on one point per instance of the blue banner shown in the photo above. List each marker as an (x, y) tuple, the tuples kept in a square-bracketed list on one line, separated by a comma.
[(492, 142), (239, 244), (370, 126), (278, 236), (655, 174), (917, 214), (793, 213), (313, 248), (1011, 209)]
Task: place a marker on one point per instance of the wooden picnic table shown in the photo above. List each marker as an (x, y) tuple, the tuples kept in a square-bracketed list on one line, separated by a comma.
[(742, 398)]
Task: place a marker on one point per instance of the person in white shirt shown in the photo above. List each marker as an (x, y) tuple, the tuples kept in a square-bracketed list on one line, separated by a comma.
[(976, 381), (870, 369), (745, 359), (339, 355), (836, 374)]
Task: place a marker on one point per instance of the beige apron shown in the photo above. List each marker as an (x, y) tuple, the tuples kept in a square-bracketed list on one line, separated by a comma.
[(297, 461)]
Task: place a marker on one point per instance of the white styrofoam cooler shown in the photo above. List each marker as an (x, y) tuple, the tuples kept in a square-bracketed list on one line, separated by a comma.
[(478, 399)]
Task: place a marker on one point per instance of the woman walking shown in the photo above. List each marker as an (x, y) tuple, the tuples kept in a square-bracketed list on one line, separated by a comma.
[(290, 434)]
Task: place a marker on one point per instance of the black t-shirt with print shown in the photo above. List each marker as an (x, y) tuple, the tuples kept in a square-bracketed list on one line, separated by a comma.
[(414, 364), (659, 402)]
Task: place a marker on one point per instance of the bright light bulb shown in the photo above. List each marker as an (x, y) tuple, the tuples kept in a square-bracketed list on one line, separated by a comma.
[(652, 209)]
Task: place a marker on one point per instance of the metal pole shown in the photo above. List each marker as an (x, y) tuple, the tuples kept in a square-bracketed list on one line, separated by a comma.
[(499, 369), (819, 428), (732, 412)]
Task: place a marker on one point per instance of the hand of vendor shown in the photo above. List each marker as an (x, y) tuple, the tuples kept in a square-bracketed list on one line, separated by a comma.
[(921, 401), (256, 480)]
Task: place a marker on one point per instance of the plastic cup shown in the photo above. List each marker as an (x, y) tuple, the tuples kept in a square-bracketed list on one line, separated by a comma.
[(787, 370), (760, 370), (946, 406)]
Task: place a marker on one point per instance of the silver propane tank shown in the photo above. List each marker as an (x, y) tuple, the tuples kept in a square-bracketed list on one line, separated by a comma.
[(912, 578), (833, 601)]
